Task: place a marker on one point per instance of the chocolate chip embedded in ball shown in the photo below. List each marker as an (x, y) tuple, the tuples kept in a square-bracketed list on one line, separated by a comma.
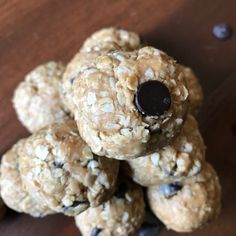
[(96, 231), (153, 98), (169, 190)]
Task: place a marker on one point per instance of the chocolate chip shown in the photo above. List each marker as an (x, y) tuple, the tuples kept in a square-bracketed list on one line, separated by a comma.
[(149, 230), (58, 164), (96, 231), (222, 31), (169, 190), (77, 203), (153, 98), (120, 192), (72, 79)]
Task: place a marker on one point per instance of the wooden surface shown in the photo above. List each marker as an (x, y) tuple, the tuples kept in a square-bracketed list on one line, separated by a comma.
[(32, 32)]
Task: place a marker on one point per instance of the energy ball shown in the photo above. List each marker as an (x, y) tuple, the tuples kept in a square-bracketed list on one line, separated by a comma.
[(37, 99), (127, 103), (12, 188), (195, 90), (111, 39), (122, 215), (188, 205), (58, 168), (180, 159), (98, 43)]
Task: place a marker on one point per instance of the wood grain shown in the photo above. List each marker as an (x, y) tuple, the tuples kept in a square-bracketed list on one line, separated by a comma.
[(32, 32)]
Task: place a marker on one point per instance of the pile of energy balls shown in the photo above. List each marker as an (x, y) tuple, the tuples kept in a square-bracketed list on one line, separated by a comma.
[(114, 127)]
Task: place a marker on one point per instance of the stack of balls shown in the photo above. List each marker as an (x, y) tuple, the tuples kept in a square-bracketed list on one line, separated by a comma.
[(117, 123)]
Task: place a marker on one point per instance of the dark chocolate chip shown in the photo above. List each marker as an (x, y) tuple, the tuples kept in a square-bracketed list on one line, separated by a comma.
[(149, 230), (58, 164), (96, 231), (173, 170), (77, 203), (72, 79), (120, 192), (153, 98), (169, 190), (222, 31)]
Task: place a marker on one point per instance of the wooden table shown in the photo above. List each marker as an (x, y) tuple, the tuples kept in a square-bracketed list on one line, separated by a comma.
[(32, 32)]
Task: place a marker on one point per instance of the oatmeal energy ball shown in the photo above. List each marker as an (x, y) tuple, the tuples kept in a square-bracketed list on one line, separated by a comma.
[(180, 159), (122, 215), (12, 189), (37, 99), (59, 169), (126, 103), (98, 43), (188, 205), (111, 39)]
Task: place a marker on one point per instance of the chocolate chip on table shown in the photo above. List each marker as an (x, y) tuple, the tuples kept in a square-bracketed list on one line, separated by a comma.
[(96, 231), (120, 192), (152, 98), (222, 31), (169, 190)]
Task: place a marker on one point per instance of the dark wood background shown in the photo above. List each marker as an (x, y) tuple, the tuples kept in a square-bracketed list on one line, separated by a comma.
[(35, 31)]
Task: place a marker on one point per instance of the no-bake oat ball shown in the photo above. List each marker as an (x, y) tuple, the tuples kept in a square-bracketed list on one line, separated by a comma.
[(178, 160), (111, 39), (127, 103), (59, 169), (188, 205), (122, 215), (37, 99), (13, 190)]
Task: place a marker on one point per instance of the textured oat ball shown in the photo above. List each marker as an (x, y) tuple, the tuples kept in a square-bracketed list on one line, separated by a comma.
[(195, 90), (13, 190), (122, 215), (37, 99), (58, 168), (187, 206), (103, 97), (98, 43), (178, 160), (111, 39)]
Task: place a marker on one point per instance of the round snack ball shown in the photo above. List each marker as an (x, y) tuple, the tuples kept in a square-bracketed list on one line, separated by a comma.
[(187, 206), (58, 168), (98, 43), (12, 189), (122, 215), (37, 99), (110, 110), (111, 39), (180, 159), (195, 90)]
